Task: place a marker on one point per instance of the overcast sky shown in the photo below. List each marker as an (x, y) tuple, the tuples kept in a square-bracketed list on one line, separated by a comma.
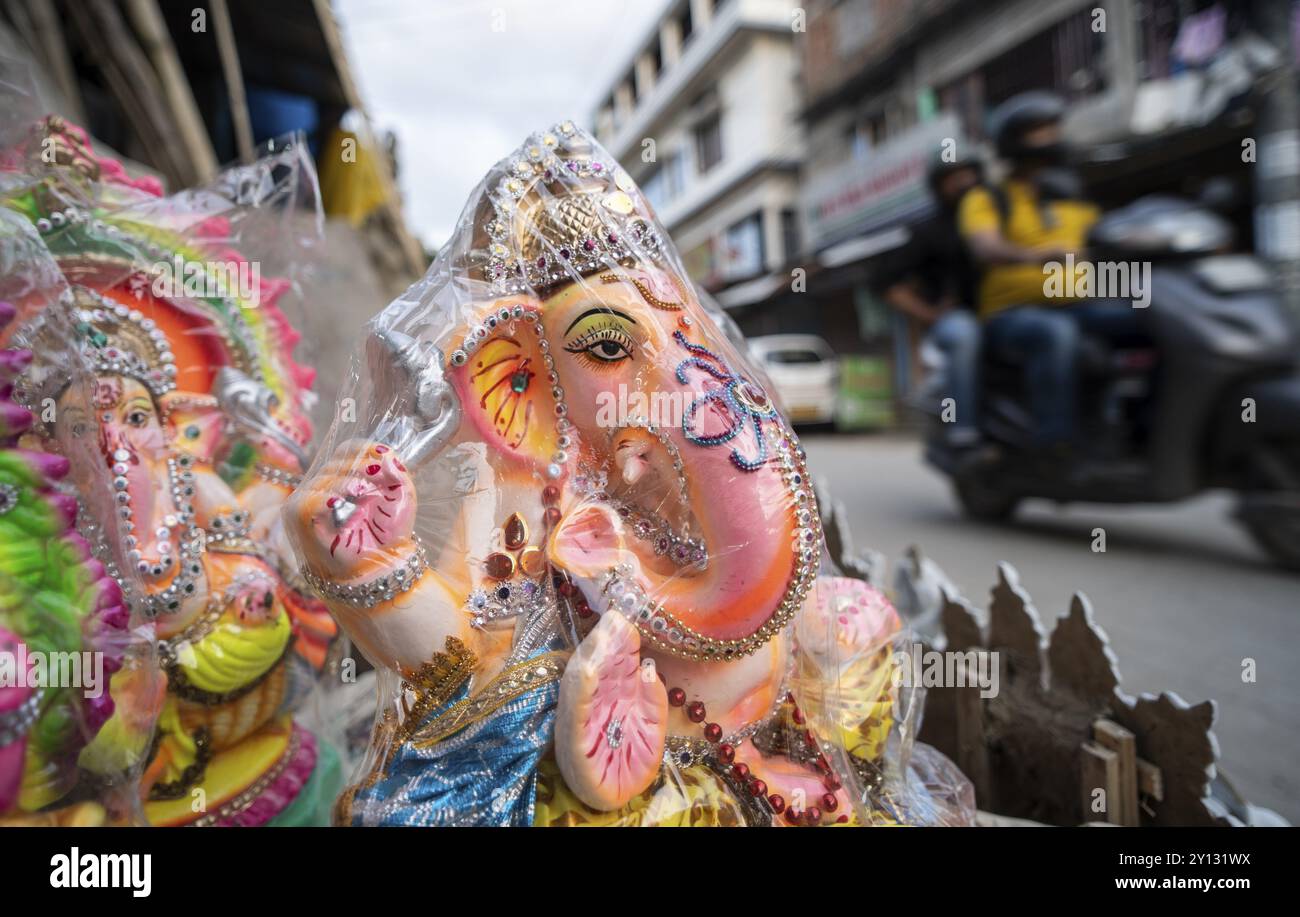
[(463, 82)]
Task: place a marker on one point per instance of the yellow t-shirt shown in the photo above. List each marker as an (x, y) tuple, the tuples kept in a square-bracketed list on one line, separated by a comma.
[(1066, 227)]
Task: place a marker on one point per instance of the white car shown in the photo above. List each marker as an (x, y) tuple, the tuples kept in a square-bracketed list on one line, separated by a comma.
[(805, 373)]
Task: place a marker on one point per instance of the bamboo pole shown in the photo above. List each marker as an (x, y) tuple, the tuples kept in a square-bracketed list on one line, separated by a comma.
[(133, 82), (229, 54), (157, 41), (53, 45)]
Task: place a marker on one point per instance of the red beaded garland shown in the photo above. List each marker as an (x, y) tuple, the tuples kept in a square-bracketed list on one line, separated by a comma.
[(726, 755)]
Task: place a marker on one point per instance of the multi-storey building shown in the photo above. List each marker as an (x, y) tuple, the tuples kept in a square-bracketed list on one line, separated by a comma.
[(704, 117)]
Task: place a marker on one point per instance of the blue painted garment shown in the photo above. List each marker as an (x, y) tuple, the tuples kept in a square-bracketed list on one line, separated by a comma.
[(485, 775)]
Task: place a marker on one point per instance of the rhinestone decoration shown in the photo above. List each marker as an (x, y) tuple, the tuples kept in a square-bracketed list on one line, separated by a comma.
[(743, 399), (117, 340), (191, 543), (588, 229), (373, 592), (665, 632), (614, 732), (482, 332), (228, 527), (8, 498), (507, 599), (15, 723), (682, 550), (277, 475)]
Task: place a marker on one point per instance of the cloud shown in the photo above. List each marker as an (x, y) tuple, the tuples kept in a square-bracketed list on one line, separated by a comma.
[(462, 84)]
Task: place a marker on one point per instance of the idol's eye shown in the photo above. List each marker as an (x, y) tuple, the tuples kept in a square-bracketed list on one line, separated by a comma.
[(137, 418), (604, 342), (78, 428)]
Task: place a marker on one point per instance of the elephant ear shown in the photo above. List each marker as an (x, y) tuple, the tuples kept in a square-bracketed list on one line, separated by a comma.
[(505, 391)]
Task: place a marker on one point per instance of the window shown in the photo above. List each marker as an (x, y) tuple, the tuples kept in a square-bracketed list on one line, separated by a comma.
[(708, 143), (667, 182), (865, 134), (1066, 58), (652, 187), (790, 234), (742, 254)]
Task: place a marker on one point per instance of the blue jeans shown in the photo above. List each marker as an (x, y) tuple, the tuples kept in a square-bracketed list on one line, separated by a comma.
[(957, 334), (1045, 341)]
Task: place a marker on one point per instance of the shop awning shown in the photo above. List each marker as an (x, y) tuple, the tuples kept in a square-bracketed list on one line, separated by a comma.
[(863, 247), (750, 292)]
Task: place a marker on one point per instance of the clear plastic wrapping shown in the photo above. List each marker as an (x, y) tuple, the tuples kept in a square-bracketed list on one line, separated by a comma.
[(559, 512), (191, 434), (72, 663)]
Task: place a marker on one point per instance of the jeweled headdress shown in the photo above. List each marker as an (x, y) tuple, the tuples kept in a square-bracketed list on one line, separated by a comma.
[(112, 339), (560, 211)]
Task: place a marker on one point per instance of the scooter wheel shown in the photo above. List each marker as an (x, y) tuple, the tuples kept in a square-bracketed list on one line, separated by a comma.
[(982, 501)]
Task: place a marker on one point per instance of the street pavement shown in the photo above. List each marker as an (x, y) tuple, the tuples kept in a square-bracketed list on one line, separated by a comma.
[(1183, 594)]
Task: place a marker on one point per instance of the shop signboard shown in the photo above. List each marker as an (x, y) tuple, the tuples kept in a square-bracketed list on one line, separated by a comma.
[(884, 187)]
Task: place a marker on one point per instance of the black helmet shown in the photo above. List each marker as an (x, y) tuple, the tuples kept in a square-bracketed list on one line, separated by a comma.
[(1010, 120), (941, 167)]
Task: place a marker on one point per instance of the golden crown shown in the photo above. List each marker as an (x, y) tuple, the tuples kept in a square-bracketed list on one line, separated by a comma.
[(562, 210)]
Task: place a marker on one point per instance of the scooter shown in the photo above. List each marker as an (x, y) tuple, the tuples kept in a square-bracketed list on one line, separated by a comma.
[(1207, 397)]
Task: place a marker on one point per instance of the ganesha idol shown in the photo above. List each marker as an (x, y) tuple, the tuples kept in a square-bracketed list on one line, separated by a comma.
[(586, 618), (184, 390), (55, 598)]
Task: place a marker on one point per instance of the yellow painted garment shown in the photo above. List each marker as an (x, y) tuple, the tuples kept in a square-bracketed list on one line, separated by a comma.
[(234, 654), (687, 797)]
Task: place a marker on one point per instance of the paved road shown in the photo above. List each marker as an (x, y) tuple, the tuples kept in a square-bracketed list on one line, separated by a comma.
[(1183, 595)]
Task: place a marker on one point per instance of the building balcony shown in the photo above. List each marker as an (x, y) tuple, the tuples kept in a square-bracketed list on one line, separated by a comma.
[(677, 85), (849, 42)]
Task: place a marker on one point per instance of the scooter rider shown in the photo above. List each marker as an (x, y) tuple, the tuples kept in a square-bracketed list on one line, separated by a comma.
[(932, 280), (1013, 229)]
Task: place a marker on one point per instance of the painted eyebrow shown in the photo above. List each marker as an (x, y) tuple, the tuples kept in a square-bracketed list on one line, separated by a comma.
[(597, 311)]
